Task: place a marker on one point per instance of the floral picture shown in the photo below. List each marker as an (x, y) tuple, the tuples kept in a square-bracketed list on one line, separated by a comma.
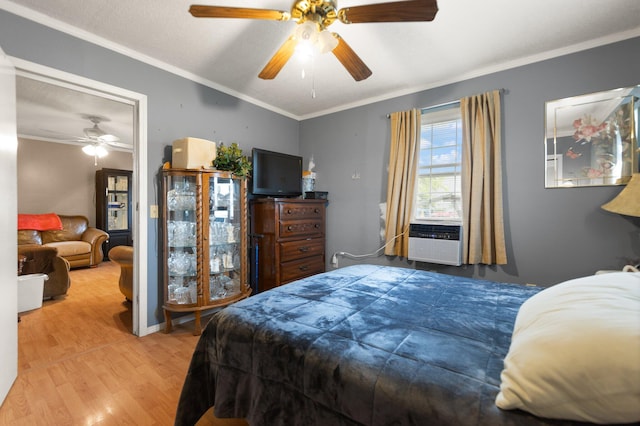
[(591, 139), (586, 128)]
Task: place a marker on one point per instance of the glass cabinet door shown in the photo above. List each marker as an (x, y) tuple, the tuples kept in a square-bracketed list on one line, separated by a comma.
[(181, 229), (117, 193), (225, 225)]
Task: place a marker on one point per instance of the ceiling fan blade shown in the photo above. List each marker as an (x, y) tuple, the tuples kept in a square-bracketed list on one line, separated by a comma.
[(399, 11), (59, 135), (200, 11), (350, 60), (278, 60), (116, 144)]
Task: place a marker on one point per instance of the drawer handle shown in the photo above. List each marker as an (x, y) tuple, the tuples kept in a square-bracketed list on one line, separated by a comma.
[(303, 268), (316, 210), (317, 225), (304, 249), (289, 211), (289, 228)]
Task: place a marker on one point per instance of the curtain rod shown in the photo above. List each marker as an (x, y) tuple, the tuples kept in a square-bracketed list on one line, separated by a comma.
[(447, 103)]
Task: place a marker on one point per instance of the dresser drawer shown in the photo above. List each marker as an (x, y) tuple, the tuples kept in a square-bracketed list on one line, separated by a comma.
[(292, 250), (292, 243), (296, 269), (298, 211), (298, 228)]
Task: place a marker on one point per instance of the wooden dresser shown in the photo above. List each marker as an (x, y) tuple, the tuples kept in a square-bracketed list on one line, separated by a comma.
[(291, 242)]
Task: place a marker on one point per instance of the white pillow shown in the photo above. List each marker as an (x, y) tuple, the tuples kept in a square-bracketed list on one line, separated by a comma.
[(575, 352)]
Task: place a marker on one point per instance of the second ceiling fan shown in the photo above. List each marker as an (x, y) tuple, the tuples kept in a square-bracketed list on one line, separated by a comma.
[(314, 17)]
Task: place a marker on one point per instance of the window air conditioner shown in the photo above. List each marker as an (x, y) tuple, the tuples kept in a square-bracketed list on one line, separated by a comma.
[(435, 243)]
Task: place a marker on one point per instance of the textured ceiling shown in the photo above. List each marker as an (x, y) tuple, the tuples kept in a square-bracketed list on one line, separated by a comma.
[(46, 111), (466, 39)]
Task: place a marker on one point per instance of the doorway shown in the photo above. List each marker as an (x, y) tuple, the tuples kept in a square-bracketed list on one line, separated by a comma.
[(135, 137)]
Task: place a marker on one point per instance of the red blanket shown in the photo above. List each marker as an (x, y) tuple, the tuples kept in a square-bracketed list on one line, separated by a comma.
[(39, 222)]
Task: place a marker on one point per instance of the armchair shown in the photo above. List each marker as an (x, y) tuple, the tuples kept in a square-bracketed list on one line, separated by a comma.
[(123, 256), (45, 260)]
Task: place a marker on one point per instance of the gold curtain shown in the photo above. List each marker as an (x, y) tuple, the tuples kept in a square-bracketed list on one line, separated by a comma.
[(403, 160), (483, 224)]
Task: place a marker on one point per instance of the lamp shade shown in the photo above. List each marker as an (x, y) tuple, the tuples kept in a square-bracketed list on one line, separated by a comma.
[(326, 41), (628, 200)]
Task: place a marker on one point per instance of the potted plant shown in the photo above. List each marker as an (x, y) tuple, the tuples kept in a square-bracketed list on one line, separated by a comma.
[(230, 158)]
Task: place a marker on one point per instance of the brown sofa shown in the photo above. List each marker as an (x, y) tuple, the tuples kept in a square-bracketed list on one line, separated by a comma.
[(77, 242), (45, 260)]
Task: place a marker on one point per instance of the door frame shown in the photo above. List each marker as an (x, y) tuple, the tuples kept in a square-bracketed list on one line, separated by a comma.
[(8, 222), (140, 171)]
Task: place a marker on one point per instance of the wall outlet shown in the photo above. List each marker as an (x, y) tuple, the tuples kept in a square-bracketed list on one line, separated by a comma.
[(153, 211)]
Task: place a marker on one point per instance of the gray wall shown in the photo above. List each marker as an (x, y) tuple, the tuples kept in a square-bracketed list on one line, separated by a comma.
[(552, 234), (177, 107), (60, 178)]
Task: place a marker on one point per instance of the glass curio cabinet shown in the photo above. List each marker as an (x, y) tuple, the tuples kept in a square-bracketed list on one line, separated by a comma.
[(113, 207), (205, 241)]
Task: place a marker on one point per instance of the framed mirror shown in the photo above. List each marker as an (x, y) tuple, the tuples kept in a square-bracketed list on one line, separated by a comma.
[(591, 140)]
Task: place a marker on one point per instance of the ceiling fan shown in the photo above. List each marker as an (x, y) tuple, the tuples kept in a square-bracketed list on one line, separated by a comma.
[(95, 133), (90, 135), (96, 141), (314, 17)]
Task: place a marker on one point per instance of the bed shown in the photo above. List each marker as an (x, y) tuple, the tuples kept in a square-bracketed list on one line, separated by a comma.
[(377, 345)]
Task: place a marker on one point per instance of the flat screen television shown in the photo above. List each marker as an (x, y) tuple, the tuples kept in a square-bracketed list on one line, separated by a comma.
[(275, 174)]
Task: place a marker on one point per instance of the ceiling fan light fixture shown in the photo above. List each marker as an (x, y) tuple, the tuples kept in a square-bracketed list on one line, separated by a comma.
[(307, 32), (95, 151), (326, 41), (311, 38)]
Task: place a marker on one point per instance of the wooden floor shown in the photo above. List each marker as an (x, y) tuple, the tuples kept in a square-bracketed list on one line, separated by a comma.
[(79, 364)]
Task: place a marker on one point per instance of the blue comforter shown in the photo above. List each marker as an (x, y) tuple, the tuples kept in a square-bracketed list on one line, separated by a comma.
[(369, 345)]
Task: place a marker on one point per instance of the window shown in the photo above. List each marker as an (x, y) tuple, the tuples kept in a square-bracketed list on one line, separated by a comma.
[(438, 192)]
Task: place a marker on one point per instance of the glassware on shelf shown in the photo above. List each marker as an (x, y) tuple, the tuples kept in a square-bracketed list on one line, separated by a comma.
[(223, 233), (181, 233), (227, 260), (181, 197), (221, 286), (181, 200), (193, 292), (171, 292), (182, 295), (214, 264), (181, 263), (224, 257), (216, 289)]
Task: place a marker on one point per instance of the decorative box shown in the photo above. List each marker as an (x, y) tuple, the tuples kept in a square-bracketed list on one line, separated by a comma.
[(193, 153)]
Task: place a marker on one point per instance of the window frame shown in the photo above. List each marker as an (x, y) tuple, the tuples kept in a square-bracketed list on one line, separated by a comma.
[(429, 117)]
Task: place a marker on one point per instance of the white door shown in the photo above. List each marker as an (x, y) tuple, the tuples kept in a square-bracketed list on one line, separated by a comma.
[(8, 226)]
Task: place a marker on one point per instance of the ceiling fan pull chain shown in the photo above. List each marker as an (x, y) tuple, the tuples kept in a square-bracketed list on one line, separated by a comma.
[(313, 79)]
